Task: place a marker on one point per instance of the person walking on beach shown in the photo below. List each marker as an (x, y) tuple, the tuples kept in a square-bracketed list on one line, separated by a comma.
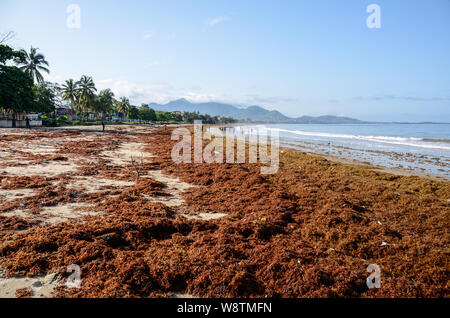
[(27, 120), (103, 126)]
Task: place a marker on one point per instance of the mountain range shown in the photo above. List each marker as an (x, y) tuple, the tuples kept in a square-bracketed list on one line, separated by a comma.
[(252, 113)]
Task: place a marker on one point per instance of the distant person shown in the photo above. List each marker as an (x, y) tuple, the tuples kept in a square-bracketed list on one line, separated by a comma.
[(27, 120), (165, 126), (103, 126)]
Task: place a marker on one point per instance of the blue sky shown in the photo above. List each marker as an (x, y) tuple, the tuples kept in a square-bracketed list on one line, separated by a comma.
[(299, 57)]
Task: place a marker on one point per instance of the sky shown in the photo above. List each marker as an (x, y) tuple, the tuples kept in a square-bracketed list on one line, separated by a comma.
[(298, 57)]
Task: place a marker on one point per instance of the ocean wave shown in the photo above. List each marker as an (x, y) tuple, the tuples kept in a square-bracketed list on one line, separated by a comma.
[(405, 141), (436, 140)]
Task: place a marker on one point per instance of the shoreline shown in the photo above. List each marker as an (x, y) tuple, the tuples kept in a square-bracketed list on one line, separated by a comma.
[(378, 168), (404, 171), (368, 165), (116, 200)]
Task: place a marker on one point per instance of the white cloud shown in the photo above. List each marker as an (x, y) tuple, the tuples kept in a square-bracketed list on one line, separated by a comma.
[(217, 20), (161, 92), (148, 35), (138, 93), (202, 98)]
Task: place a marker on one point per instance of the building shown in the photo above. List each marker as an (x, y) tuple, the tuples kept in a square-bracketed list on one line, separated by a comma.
[(7, 120), (35, 120)]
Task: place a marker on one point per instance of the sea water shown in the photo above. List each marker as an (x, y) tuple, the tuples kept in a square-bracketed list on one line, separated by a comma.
[(423, 148)]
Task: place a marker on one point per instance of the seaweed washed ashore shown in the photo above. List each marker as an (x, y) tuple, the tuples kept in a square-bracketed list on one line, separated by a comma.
[(139, 225)]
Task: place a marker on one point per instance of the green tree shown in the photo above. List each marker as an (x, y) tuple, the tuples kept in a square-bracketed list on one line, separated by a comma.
[(45, 95), (146, 113), (189, 118), (123, 105), (16, 86), (69, 92), (86, 93), (168, 116), (151, 114), (34, 64), (104, 102), (16, 90), (7, 53), (176, 117), (133, 112), (162, 116)]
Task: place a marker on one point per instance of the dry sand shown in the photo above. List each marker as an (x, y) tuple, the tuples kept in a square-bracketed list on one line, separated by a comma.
[(40, 286), (92, 184), (126, 154), (45, 169), (175, 188), (17, 194)]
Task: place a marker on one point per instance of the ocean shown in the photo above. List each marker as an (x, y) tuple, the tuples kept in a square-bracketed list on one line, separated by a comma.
[(423, 148)]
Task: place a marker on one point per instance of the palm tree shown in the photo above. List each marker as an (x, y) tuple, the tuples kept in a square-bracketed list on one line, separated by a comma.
[(69, 92), (86, 92), (105, 102), (33, 64), (123, 106)]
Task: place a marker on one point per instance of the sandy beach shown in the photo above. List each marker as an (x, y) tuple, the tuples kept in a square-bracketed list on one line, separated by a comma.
[(139, 225)]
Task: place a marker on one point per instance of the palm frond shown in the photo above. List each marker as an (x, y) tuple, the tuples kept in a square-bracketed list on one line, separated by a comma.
[(33, 63), (43, 69), (39, 77)]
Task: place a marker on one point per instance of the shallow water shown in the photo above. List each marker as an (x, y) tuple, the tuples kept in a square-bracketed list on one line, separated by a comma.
[(424, 148)]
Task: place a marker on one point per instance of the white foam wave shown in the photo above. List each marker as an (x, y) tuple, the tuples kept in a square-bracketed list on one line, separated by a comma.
[(405, 141)]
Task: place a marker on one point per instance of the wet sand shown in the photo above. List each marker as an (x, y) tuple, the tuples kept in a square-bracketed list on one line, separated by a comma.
[(138, 225)]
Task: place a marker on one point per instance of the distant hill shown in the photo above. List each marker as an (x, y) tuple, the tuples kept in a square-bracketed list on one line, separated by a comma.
[(327, 120), (253, 113)]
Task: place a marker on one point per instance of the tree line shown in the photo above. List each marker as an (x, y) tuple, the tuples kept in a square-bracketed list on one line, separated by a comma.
[(19, 93), (23, 90)]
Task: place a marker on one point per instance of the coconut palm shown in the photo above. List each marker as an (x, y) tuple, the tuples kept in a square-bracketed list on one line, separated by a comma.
[(86, 93), (123, 106), (69, 92), (33, 64), (105, 101)]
